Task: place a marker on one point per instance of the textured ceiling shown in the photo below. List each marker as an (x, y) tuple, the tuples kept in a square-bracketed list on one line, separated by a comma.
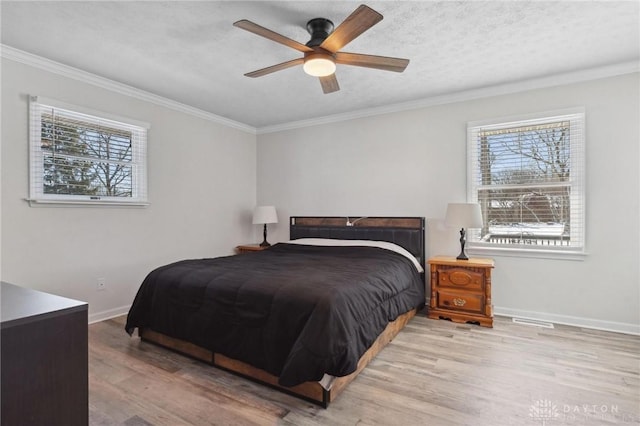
[(190, 52)]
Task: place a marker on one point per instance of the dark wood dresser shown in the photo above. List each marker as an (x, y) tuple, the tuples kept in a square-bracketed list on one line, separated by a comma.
[(44, 359)]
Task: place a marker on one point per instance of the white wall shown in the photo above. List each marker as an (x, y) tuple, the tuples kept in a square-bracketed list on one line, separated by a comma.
[(201, 186), (414, 163)]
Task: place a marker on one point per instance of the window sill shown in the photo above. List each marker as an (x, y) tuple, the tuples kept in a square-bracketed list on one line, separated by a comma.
[(85, 203), (528, 253)]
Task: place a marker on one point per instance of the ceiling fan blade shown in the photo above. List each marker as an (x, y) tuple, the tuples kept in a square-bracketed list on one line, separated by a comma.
[(358, 22), (371, 61), (329, 83), (274, 68), (271, 35)]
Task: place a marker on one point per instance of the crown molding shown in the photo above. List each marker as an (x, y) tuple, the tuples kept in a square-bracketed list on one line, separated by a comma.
[(36, 61), (485, 92)]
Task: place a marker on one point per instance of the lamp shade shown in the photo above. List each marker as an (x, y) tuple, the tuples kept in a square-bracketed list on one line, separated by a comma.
[(265, 214), (463, 215)]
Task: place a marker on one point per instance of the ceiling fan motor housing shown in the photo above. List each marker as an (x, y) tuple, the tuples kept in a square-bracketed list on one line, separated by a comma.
[(319, 29)]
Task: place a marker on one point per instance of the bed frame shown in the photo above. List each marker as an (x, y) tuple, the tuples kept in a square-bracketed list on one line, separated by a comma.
[(407, 232)]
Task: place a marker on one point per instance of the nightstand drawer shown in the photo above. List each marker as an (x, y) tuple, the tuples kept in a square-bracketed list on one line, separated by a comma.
[(460, 278), (461, 301)]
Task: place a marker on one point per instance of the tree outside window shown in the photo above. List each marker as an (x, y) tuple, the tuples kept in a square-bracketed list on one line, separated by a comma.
[(77, 157), (527, 178)]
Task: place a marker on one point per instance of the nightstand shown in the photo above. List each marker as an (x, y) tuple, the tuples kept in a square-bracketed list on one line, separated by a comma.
[(461, 290), (247, 248)]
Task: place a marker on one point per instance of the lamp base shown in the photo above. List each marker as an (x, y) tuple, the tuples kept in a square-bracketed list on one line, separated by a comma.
[(462, 255), (264, 242)]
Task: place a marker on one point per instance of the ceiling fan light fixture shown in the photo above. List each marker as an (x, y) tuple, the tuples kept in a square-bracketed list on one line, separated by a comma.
[(319, 64)]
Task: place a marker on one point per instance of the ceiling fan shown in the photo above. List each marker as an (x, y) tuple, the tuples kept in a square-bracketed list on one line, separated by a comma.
[(322, 52)]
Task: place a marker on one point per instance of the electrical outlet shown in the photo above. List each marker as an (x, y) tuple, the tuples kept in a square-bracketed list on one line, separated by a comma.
[(101, 284)]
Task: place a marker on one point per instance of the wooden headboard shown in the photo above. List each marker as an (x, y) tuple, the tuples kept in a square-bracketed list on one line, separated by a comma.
[(407, 232)]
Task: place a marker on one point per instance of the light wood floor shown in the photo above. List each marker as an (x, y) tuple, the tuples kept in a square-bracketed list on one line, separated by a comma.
[(433, 373)]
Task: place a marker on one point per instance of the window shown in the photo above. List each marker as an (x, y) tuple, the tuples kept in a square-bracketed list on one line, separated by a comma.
[(82, 157), (528, 177)]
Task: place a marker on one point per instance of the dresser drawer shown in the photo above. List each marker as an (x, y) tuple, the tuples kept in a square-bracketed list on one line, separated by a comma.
[(460, 278), (460, 301)]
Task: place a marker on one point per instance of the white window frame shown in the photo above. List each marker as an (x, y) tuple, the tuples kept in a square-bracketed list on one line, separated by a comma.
[(138, 129), (577, 250)]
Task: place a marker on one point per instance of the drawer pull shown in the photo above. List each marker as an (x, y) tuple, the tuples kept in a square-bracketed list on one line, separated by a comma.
[(459, 302)]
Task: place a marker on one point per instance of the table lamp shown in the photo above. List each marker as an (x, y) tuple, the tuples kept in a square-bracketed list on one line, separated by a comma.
[(264, 215)]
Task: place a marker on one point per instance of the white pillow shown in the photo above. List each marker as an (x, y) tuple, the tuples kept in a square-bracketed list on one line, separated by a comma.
[(367, 243)]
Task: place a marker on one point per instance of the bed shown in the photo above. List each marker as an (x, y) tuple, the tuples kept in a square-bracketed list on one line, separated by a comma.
[(305, 316)]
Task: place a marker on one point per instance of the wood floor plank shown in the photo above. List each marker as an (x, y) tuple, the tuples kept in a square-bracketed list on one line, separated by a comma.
[(433, 373)]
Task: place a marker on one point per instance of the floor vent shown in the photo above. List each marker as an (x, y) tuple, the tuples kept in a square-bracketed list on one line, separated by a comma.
[(533, 323)]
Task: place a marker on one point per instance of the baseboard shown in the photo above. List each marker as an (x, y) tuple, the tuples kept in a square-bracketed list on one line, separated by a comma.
[(108, 314), (617, 327)]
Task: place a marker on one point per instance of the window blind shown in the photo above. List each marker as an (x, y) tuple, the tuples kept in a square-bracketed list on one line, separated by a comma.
[(528, 177), (83, 157)]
